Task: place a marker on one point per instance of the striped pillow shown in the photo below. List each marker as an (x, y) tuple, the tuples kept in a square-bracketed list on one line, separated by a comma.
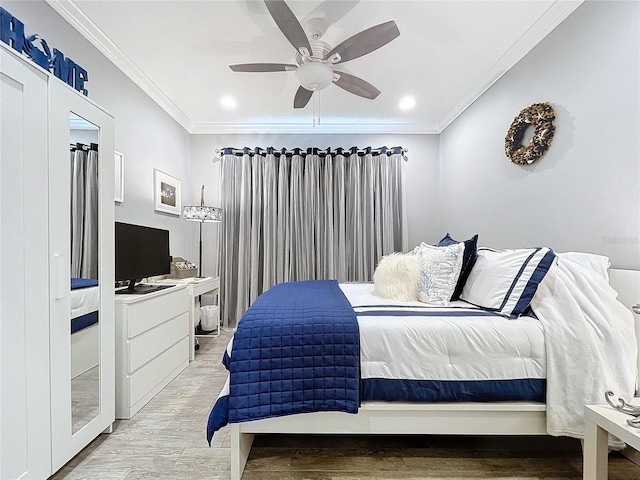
[(505, 281)]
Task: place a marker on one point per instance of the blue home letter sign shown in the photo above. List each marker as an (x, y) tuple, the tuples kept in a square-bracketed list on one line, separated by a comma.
[(36, 48)]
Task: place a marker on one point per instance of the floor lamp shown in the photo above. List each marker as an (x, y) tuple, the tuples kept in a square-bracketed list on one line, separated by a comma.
[(201, 213)]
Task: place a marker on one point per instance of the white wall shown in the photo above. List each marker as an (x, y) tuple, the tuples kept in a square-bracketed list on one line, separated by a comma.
[(144, 133), (584, 193), (421, 174)]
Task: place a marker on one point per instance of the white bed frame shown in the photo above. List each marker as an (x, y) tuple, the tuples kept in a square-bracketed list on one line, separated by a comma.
[(388, 418), (85, 351)]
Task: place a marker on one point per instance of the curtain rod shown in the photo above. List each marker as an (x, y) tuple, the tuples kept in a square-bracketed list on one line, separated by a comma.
[(82, 146), (311, 150)]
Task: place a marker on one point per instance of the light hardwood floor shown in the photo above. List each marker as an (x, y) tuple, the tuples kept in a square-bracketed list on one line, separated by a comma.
[(166, 440)]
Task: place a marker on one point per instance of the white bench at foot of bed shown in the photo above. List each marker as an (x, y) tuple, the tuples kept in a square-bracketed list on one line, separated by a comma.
[(396, 418)]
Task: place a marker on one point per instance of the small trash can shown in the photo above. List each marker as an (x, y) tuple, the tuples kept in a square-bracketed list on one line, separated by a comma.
[(210, 318)]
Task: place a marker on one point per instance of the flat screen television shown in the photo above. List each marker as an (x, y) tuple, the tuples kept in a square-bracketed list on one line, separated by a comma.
[(141, 252)]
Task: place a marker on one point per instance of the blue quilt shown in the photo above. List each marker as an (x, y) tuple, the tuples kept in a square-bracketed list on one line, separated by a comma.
[(77, 283), (296, 350)]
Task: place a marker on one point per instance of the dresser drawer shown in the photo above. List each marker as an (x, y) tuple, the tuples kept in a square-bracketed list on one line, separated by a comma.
[(144, 348), (145, 315), (154, 374)]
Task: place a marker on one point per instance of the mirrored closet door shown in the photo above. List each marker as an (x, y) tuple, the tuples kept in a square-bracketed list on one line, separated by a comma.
[(85, 310), (81, 269)]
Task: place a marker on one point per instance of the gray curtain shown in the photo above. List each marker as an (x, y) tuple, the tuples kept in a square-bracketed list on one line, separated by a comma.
[(306, 214), (84, 211)]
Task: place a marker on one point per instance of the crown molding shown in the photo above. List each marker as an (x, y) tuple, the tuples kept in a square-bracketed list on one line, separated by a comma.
[(89, 30), (74, 15), (552, 17), (300, 128), (545, 24)]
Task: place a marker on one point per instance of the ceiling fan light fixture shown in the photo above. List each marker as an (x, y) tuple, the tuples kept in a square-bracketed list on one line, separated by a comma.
[(315, 58), (314, 75)]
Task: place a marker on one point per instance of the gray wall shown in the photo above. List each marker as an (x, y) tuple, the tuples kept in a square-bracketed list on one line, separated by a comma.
[(584, 193), (421, 176), (144, 133)]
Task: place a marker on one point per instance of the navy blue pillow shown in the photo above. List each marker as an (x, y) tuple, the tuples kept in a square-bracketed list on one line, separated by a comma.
[(468, 260)]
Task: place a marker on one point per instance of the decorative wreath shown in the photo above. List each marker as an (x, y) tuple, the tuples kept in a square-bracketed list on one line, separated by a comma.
[(541, 116)]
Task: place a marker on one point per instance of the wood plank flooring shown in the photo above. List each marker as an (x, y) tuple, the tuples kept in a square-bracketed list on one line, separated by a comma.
[(166, 440)]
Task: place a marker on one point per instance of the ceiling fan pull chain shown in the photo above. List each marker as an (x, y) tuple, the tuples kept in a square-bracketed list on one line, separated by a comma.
[(315, 105)]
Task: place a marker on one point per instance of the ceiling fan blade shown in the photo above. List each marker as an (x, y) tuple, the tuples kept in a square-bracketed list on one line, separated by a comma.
[(365, 42), (288, 24), (356, 85), (263, 67), (302, 98)]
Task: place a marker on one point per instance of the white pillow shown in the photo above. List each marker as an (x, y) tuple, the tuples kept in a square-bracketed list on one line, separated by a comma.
[(440, 269), (397, 277), (505, 281)]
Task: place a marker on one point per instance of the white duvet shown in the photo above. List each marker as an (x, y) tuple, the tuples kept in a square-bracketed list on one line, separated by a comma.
[(460, 342), (84, 300), (589, 340), (583, 342)]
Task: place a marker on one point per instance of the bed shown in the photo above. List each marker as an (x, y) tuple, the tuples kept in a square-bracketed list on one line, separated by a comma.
[(85, 331), (500, 374)]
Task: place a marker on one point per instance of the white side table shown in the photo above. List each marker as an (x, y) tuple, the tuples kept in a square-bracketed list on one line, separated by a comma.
[(200, 286), (196, 287), (601, 420)]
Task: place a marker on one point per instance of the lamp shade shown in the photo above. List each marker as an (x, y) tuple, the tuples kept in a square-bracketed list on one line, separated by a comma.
[(202, 213), (314, 75)]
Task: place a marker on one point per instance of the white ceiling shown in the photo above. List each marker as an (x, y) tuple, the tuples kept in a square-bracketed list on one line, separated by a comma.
[(448, 53)]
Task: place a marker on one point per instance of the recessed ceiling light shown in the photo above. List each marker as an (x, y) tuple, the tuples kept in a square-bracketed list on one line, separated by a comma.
[(228, 102), (407, 103)]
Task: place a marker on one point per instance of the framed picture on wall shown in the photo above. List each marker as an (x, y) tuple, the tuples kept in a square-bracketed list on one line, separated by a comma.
[(119, 180), (166, 193)]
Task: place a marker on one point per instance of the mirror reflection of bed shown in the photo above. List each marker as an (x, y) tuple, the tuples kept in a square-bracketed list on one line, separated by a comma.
[(85, 298)]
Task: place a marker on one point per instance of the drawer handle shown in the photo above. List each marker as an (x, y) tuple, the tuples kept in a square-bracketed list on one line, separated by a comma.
[(636, 308)]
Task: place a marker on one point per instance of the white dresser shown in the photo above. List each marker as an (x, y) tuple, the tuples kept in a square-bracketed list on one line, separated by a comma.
[(152, 345)]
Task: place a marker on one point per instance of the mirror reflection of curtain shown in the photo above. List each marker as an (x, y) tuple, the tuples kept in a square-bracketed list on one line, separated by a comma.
[(84, 210), (306, 214)]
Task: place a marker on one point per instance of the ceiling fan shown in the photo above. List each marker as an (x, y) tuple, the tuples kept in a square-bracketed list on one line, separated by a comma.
[(315, 59)]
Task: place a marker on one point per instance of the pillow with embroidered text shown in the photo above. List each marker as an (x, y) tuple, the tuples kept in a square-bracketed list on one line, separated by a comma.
[(504, 281)]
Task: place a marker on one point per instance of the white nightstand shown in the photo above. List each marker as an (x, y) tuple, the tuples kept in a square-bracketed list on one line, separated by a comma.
[(601, 420)]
